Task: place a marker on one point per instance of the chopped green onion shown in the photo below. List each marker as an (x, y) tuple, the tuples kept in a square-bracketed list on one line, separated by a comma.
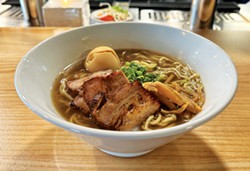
[(135, 71)]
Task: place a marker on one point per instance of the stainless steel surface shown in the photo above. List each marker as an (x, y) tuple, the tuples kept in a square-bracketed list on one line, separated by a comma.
[(32, 10), (11, 16), (180, 19), (25, 10), (28, 14), (202, 14)]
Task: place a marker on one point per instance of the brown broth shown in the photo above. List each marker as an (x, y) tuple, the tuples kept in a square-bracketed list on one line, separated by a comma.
[(61, 103)]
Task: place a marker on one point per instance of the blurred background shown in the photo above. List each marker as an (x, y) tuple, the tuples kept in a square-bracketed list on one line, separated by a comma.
[(227, 14)]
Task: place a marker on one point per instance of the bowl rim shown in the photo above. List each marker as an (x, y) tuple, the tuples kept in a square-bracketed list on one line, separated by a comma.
[(182, 128)]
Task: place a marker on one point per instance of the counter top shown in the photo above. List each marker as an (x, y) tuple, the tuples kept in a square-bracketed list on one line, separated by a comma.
[(27, 142)]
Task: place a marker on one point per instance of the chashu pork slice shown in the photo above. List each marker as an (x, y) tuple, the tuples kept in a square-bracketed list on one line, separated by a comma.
[(80, 103), (75, 85), (92, 93), (96, 90), (115, 103), (126, 107)]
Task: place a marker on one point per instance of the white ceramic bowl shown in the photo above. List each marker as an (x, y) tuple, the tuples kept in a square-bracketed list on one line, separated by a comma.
[(39, 67)]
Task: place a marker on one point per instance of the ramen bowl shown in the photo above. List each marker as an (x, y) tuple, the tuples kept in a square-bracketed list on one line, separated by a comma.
[(38, 69)]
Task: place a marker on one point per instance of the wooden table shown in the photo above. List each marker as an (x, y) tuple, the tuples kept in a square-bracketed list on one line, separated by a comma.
[(28, 142)]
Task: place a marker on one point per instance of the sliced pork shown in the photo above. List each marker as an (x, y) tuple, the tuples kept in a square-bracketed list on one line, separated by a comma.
[(75, 85), (126, 108), (114, 102)]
